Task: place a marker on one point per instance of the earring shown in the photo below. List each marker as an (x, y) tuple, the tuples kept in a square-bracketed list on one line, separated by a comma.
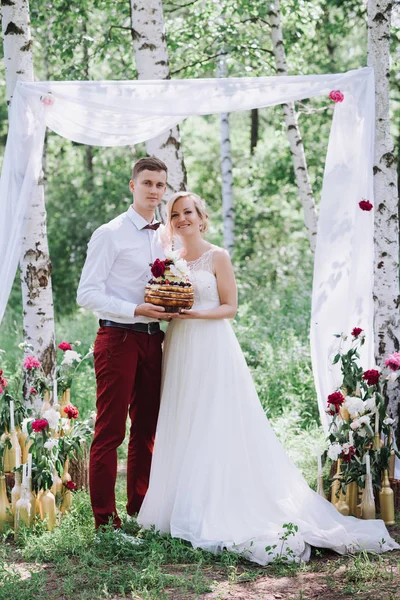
[(201, 226), (173, 243)]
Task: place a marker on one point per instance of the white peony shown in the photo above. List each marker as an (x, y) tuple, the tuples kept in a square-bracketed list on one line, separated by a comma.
[(49, 445), (70, 356), (355, 424), (354, 405), (365, 420), (52, 416), (388, 421), (334, 451), (182, 266), (370, 404)]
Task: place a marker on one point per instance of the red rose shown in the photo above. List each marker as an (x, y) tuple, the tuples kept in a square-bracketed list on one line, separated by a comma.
[(336, 96), (158, 268), (371, 376), (347, 456), (71, 485), (365, 205), (65, 346), (71, 411), (356, 331), (33, 392), (39, 425)]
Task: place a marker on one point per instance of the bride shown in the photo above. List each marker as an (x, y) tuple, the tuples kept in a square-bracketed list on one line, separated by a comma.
[(220, 478)]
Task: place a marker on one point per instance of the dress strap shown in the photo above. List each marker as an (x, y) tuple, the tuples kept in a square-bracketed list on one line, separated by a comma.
[(203, 263)]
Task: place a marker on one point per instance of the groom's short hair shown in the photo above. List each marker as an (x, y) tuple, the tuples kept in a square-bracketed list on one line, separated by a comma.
[(151, 163)]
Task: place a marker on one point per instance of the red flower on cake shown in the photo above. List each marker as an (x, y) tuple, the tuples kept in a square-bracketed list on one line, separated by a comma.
[(71, 485), (393, 361), (65, 346), (356, 332), (31, 362), (39, 425), (71, 411), (336, 96), (371, 376), (365, 205), (158, 268)]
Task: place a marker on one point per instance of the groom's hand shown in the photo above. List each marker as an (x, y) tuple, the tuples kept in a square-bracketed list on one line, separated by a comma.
[(149, 310)]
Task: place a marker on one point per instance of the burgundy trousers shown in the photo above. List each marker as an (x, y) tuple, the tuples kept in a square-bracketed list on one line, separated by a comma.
[(128, 375)]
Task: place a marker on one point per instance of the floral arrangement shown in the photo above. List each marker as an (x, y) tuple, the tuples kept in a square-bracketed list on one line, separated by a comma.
[(171, 267), (360, 424)]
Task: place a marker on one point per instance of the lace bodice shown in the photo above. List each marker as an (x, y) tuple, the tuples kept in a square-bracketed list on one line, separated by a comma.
[(204, 281)]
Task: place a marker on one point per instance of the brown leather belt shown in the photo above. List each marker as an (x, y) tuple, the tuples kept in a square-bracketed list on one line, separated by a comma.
[(150, 328)]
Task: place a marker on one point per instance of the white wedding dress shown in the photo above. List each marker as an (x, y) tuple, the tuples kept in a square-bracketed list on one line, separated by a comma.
[(220, 477)]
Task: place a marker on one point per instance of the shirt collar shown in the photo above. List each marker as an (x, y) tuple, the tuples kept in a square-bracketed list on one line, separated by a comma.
[(137, 219)]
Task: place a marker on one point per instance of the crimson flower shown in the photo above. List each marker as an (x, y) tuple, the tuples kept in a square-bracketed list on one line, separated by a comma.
[(356, 332), (71, 485), (1, 372), (336, 399), (3, 382), (71, 411), (347, 456), (39, 425), (32, 392), (365, 205), (393, 361), (65, 346), (371, 376), (158, 268), (336, 96), (31, 362)]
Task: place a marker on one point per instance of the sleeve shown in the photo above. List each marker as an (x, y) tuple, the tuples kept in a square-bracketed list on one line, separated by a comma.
[(91, 295)]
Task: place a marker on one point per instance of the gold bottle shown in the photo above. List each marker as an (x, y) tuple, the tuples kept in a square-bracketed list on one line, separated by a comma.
[(57, 486), (335, 486), (48, 510), (341, 505), (16, 491), (65, 400), (6, 519), (368, 501), (10, 453), (386, 499), (352, 497)]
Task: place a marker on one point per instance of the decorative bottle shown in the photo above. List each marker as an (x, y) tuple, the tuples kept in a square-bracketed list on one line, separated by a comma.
[(48, 509), (6, 519), (368, 500), (386, 500)]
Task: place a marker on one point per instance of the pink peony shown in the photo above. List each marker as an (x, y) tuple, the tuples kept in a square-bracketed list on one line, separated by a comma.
[(393, 361), (48, 100), (365, 205), (356, 332), (39, 425), (371, 376), (336, 96), (3, 382), (32, 392), (31, 362), (65, 346)]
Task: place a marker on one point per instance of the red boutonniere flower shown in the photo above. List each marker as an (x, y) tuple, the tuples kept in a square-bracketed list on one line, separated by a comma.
[(71, 411), (365, 205), (336, 96), (65, 346), (39, 425), (371, 376), (356, 332), (158, 268)]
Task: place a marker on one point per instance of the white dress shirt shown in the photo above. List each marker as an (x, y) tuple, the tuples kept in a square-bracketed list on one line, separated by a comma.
[(117, 268)]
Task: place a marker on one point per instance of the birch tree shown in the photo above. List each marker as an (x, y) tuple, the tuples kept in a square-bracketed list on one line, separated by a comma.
[(35, 265), (292, 129), (386, 287), (151, 57)]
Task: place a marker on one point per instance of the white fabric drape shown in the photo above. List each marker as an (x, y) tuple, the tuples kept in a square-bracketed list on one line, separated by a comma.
[(117, 113)]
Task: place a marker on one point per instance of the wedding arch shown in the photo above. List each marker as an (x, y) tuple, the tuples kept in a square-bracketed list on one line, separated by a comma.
[(118, 113)]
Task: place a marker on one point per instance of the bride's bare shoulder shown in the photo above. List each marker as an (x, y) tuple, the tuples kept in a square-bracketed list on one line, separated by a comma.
[(220, 255)]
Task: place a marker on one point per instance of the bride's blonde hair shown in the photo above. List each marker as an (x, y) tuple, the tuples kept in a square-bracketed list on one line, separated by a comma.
[(199, 205)]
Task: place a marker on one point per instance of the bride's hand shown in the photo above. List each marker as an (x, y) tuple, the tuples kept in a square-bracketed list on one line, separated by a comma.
[(184, 314)]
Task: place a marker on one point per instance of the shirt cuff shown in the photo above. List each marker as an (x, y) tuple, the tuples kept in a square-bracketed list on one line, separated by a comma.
[(127, 309)]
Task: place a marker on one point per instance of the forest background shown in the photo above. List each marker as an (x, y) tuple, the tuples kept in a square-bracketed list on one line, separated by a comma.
[(87, 186)]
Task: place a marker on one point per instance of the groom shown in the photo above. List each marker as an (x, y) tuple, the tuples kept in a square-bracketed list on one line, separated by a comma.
[(127, 350)]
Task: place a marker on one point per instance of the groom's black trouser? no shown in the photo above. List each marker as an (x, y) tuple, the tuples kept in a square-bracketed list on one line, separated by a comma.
[(128, 374)]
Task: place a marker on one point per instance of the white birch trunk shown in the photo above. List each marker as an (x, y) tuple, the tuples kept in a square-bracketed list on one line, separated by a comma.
[(35, 265), (228, 214), (386, 286), (292, 129), (151, 57)]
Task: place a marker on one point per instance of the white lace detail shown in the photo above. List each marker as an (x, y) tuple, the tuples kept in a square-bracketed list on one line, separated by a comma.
[(204, 281)]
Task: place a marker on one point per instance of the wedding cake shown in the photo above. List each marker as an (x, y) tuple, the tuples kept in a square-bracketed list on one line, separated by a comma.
[(170, 286)]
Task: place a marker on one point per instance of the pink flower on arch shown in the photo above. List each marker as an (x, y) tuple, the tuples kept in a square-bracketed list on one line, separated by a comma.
[(365, 205), (336, 96), (356, 332), (31, 362), (65, 346), (47, 99), (393, 361)]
